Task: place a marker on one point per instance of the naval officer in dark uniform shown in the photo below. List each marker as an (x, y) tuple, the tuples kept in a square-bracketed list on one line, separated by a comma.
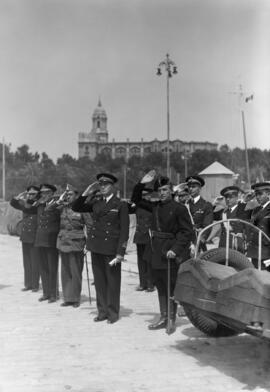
[(141, 239), (107, 241), (200, 209), (171, 235), (48, 224), (260, 217), (234, 210), (23, 202)]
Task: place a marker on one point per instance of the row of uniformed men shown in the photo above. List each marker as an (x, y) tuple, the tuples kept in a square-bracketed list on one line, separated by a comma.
[(171, 235)]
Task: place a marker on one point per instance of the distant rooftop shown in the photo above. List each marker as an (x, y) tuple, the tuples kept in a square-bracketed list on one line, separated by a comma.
[(216, 168)]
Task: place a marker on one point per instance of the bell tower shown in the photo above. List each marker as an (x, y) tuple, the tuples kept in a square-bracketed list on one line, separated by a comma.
[(99, 127)]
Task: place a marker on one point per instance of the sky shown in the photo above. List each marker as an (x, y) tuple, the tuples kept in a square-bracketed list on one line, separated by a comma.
[(59, 56)]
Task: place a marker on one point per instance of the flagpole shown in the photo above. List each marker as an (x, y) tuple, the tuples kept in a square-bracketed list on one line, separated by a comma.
[(241, 103), (3, 170), (246, 151)]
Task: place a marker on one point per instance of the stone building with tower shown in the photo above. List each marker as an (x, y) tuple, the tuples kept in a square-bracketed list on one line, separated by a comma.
[(97, 142)]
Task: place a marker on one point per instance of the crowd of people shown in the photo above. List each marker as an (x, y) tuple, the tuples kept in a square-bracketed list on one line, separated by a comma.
[(167, 227)]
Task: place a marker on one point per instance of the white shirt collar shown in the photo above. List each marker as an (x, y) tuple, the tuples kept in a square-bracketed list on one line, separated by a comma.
[(108, 198), (233, 208), (266, 204), (196, 199)]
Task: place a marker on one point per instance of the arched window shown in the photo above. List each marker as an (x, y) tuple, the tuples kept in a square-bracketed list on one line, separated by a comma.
[(135, 151)]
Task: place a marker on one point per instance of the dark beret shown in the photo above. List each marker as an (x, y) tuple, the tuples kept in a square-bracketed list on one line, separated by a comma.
[(161, 181)]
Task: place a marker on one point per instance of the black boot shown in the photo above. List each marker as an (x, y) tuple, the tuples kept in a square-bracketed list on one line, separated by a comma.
[(161, 323), (172, 326)]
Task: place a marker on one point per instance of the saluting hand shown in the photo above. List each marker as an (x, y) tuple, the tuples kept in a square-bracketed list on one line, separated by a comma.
[(90, 189), (62, 197), (149, 177), (170, 254), (21, 196)]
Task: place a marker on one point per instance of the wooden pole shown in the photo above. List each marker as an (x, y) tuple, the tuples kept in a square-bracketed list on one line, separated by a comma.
[(168, 126), (246, 151), (3, 170)]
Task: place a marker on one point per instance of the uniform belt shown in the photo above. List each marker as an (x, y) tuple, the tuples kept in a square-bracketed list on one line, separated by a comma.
[(161, 234)]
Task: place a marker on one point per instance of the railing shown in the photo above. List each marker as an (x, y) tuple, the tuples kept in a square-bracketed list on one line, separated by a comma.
[(226, 223)]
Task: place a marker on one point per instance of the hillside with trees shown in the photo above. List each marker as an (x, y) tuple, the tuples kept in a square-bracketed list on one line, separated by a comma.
[(24, 167)]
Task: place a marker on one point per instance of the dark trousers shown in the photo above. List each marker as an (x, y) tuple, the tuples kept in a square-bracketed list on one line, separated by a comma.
[(144, 267), (31, 266), (49, 271), (160, 279), (107, 284), (71, 275)]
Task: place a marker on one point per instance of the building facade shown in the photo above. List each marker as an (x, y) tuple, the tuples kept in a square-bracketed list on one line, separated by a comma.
[(97, 142)]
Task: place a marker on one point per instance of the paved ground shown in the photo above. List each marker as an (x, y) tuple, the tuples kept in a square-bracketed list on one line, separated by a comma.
[(46, 348)]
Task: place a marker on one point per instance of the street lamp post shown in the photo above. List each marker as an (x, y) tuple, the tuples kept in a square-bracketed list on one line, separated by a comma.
[(170, 69)]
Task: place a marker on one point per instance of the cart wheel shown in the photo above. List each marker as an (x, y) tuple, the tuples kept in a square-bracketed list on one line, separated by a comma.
[(204, 323), (207, 325), (236, 259)]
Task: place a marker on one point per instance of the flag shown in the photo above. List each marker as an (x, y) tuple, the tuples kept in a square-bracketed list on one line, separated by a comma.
[(250, 98)]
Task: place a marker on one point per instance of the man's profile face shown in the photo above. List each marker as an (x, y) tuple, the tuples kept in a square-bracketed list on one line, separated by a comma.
[(262, 196), (194, 189), (71, 196), (165, 192), (32, 194), (182, 197)]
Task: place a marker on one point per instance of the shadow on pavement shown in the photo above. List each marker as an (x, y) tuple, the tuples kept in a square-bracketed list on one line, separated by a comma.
[(85, 298), (4, 286), (125, 312), (243, 357)]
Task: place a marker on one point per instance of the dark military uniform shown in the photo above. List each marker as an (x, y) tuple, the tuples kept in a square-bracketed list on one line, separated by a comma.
[(48, 223), (260, 217), (171, 230), (238, 229), (202, 214), (71, 242), (141, 239), (27, 237), (107, 237)]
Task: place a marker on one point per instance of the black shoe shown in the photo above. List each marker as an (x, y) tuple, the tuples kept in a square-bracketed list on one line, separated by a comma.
[(140, 288), (150, 289), (161, 323), (66, 304), (112, 321), (51, 300), (43, 298), (26, 289), (34, 290), (99, 318), (76, 304)]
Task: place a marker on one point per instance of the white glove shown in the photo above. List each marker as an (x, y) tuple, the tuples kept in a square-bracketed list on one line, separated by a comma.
[(116, 260), (266, 262), (148, 177), (170, 254), (192, 250), (90, 189), (21, 196)]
